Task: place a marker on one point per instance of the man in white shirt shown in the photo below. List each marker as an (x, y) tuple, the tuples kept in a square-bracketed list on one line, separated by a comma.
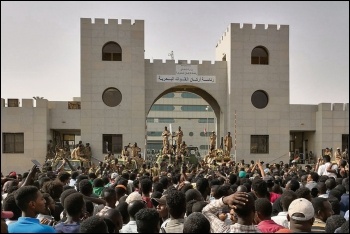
[(287, 198), (330, 169)]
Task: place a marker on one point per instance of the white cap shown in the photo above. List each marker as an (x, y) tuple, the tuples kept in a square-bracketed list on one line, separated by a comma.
[(338, 148), (134, 196), (114, 175), (302, 206)]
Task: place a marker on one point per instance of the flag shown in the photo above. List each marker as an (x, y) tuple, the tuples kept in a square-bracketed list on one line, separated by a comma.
[(170, 129)]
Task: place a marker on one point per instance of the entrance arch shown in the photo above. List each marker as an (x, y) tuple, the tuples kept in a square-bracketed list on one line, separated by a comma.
[(206, 96)]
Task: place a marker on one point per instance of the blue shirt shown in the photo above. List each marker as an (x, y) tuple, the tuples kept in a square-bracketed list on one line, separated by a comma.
[(29, 225)]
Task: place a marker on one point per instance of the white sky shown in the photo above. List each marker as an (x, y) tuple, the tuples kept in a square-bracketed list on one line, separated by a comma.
[(40, 41)]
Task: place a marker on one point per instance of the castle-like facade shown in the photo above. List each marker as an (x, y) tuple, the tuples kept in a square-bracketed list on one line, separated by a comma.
[(247, 88)]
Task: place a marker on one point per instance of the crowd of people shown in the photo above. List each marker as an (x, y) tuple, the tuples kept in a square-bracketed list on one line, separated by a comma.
[(228, 196)]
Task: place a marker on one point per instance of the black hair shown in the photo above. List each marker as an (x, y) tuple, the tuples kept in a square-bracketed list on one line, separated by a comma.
[(340, 188), (232, 178), (345, 183), (74, 203), (260, 187), (334, 222), (264, 207), (92, 175), (196, 223), (93, 224), (248, 186), (120, 191), (157, 186), (293, 184), (202, 184), (287, 197), (330, 183), (122, 181), (24, 195), (335, 193), (314, 175), (323, 178), (156, 194), (134, 207), (335, 203), (186, 187), (164, 180), (147, 220), (193, 194), (63, 176), (9, 204), (11, 189), (223, 190), (176, 203), (321, 187), (245, 210), (318, 204), (105, 180), (146, 185), (97, 183), (66, 193), (85, 187), (326, 158), (345, 227), (89, 207), (303, 192), (189, 206), (43, 180), (198, 206), (109, 216), (54, 188), (123, 209)]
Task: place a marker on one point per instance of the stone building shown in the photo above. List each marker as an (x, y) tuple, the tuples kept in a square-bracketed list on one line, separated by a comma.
[(247, 89)]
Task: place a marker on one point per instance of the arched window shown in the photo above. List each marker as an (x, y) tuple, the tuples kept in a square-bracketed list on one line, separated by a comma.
[(260, 55), (111, 51)]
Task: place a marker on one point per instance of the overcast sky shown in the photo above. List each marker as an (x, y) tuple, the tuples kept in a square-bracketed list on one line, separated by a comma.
[(40, 41)]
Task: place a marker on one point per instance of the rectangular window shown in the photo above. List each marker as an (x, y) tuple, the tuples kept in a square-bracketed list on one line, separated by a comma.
[(112, 142), (13, 143), (259, 144)]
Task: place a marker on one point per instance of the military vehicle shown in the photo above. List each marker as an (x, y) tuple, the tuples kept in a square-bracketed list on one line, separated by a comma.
[(75, 164), (193, 156)]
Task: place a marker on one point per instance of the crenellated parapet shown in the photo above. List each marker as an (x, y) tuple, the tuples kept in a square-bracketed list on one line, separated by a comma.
[(333, 107), (121, 23), (237, 28), (183, 62), (40, 103)]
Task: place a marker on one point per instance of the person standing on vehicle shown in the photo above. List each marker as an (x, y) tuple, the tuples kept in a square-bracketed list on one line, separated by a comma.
[(228, 143)]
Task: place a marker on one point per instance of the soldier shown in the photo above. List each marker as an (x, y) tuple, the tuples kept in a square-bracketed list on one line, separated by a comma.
[(58, 156), (66, 149), (165, 136), (88, 153), (212, 141), (109, 157), (135, 150), (337, 155), (228, 143), (155, 170), (327, 152), (179, 135), (125, 153), (50, 151)]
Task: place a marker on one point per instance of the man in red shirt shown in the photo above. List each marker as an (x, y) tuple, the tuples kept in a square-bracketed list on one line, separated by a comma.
[(263, 209)]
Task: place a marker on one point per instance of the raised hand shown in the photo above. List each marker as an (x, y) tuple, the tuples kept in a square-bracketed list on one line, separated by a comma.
[(236, 199)]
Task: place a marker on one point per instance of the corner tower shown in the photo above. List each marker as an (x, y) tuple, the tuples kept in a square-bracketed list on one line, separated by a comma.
[(112, 84), (258, 85)]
